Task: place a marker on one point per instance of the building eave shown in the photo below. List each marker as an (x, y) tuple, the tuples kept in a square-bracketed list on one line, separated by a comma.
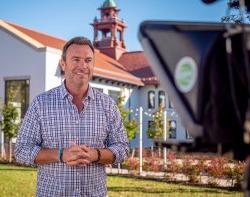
[(21, 35)]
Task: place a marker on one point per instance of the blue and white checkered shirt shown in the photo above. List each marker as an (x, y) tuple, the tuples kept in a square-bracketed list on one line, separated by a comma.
[(53, 121)]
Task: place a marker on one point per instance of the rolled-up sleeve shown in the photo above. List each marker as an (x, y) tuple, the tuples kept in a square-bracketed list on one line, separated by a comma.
[(117, 140), (29, 136)]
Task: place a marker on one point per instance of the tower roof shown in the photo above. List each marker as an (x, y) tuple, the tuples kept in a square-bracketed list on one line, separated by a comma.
[(109, 4)]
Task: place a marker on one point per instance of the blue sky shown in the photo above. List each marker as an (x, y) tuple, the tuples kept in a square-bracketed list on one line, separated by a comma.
[(69, 18)]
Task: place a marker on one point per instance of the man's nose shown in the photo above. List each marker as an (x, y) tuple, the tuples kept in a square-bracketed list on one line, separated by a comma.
[(84, 64)]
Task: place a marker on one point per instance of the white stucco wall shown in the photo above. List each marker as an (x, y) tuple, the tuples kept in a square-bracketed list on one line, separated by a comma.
[(20, 60), (134, 98), (52, 70), (141, 95)]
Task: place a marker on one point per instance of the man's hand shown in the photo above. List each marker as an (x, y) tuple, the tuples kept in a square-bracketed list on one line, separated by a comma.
[(79, 155), (91, 152)]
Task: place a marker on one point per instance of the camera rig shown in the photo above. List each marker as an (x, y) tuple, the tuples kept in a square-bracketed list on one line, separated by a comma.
[(206, 71)]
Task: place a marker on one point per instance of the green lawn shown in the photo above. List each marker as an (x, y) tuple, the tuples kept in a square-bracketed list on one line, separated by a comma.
[(20, 181)]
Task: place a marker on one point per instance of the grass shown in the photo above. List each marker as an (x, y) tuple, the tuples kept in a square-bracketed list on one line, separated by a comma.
[(17, 181), (21, 181)]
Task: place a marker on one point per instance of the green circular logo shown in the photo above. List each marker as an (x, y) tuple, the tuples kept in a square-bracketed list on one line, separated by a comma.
[(185, 74)]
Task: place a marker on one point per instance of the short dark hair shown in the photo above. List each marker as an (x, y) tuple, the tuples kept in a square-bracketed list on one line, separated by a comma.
[(80, 40)]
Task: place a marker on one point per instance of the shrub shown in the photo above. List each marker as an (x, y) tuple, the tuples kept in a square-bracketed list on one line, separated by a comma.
[(152, 164), (238, 173), (190, 169), (171, 156), (173, 167), (216, 167), (133, 164)]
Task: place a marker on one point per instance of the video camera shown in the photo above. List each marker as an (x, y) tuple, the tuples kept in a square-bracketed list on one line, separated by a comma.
[(205, 69)]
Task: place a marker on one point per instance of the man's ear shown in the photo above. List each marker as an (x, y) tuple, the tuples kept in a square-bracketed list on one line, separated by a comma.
[(62, 64)]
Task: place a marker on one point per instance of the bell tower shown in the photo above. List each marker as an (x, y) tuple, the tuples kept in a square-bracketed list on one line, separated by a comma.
[(109, 31)]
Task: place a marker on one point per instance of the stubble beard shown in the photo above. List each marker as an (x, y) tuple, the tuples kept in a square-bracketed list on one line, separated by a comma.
[(79, 81)]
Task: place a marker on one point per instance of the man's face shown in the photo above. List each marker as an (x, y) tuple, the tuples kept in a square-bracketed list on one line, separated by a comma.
[(79, 65)]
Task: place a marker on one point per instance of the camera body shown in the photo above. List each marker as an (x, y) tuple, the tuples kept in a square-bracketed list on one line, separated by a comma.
[(203, 68)]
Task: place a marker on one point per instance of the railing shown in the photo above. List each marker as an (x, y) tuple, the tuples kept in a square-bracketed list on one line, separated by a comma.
[(113, 19)]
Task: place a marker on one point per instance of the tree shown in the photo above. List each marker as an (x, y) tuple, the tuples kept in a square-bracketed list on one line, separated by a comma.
[(234, 16), (10, 125), (156, 130), (130, 125)]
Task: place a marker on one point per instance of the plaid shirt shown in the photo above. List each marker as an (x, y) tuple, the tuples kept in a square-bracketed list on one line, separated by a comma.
[(53, 121)]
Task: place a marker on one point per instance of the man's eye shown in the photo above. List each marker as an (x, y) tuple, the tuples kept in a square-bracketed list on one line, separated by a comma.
[(75, 60), (88, 60)]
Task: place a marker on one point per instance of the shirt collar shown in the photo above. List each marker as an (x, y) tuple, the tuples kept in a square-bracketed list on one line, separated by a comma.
[(64, 91), (90, 92)]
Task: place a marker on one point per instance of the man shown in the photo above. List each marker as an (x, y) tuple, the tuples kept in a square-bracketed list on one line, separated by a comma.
[(72, 131)]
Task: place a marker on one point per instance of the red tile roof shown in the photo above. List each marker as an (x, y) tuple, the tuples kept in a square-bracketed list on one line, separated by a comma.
[(105, 66), (137, 64), (43, 38)]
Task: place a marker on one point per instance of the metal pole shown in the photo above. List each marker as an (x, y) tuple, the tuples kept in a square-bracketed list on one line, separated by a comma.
[(165, 138), (140, 142), (2, 139)]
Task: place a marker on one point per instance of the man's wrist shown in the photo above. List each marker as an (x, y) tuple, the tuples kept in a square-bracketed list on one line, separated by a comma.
[(60, 155), (98, 152)]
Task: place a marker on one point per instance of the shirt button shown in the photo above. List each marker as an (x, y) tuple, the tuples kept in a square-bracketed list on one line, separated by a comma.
[(77, 122)]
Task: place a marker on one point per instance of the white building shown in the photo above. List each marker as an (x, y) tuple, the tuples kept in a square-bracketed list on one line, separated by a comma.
[(30, 65)]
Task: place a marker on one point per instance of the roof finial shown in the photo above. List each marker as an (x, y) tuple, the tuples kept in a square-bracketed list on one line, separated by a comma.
[(109, 4)]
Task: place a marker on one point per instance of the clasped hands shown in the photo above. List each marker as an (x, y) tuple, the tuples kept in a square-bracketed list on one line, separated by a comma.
[(79, 155)]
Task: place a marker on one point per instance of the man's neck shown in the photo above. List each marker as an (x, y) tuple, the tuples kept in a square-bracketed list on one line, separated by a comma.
[(77, 92)]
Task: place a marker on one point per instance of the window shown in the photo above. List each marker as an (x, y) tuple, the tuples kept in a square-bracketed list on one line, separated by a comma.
[(188, 136), (17, 93), (119, 35), (151, 99), (108, 35), (161, 99), (171, 105), (114, 95), (172, 129)]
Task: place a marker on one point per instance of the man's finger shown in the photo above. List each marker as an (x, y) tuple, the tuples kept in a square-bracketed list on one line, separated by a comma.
[(84, 148), (83, 155), (75, 148), (81, 162), (78, 155)]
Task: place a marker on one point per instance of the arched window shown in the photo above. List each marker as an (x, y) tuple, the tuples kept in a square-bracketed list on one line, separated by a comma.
[(172, 129), (162, 99), (171, 105), (188, 136), (151, 99)]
